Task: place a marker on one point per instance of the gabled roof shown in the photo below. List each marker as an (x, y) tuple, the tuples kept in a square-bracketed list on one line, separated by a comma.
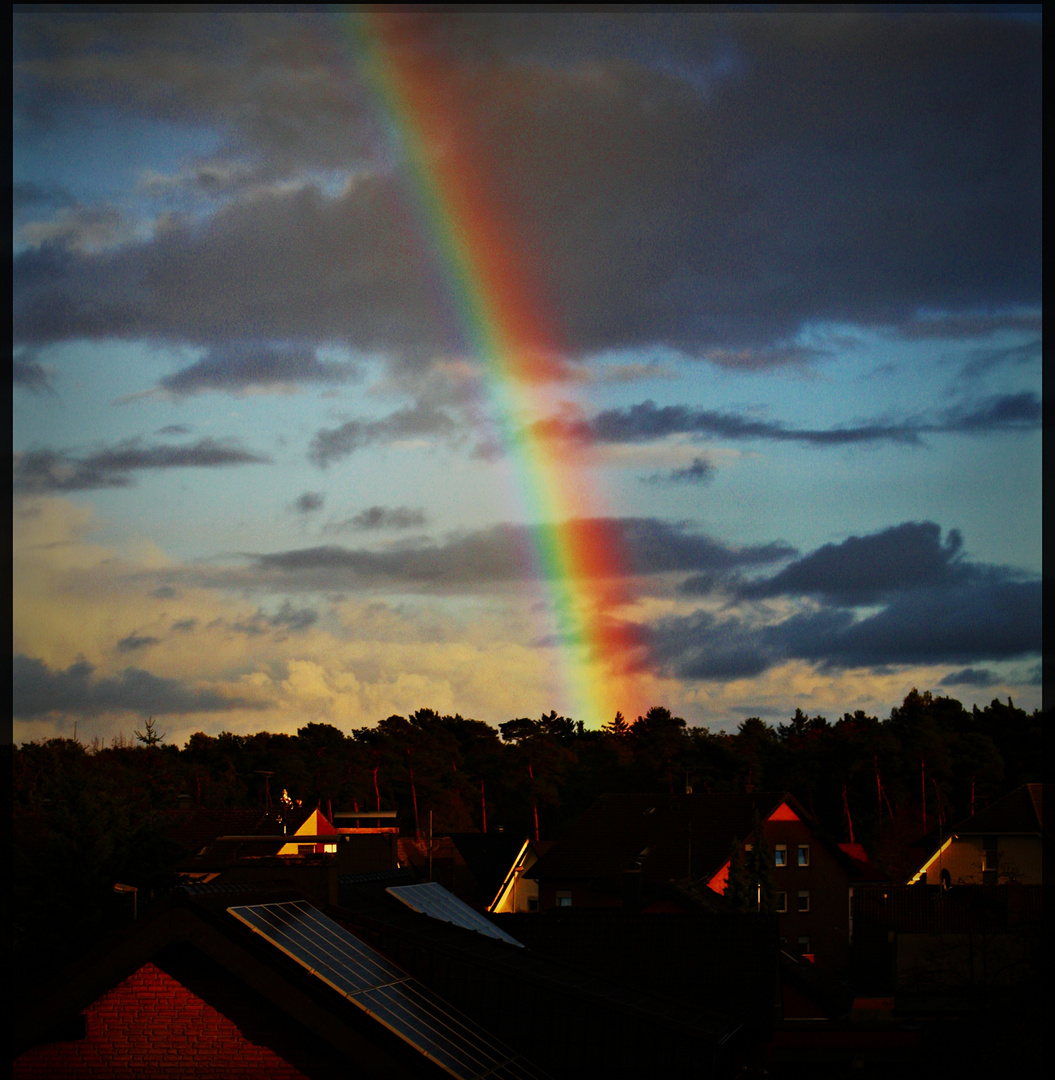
[(1019, 812), (668, 837), (203, 920), (488, 857), (582, 1023), (864, 868)]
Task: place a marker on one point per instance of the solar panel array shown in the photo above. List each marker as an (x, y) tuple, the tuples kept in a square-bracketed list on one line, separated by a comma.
[(385, 992), (431, 898)]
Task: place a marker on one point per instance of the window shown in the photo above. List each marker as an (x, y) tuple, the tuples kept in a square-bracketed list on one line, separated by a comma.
[(804, 854), (532, 903), (804, 948), (564, 899), (990, 860), (804, 900), (781, 903), (305, 849), (782, 855)]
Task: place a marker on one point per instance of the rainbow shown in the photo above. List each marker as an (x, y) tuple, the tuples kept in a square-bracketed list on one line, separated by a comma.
[(576, 553)]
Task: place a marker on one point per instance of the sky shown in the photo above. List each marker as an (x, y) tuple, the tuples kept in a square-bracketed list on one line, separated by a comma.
[(497, 363)]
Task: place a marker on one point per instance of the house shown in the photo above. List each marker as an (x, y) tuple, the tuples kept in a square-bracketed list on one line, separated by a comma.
[(627, 851), (518, 891), (571, 1021), (1005, 842), (246, 982)]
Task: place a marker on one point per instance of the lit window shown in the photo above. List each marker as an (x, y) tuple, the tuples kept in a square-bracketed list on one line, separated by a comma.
[(564, 899), (329, 849), (804, 854), (782, 854), (782, 903), (804, 900)]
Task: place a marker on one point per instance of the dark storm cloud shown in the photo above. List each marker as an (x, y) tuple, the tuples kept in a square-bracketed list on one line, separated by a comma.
[(705, 181), (42, 471), (1007, 412), (333, 444), (239, 366), (38, 690), (980, 677), (934, 608), (707, 648), (507, 553), (309, 502), (861, 569), (986, 620), (648, 421)]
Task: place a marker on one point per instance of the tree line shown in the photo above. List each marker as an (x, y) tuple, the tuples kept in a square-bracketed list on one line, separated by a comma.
[(87, 816)]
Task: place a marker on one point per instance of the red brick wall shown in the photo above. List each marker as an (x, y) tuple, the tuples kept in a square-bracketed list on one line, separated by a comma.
[(151, 1026)]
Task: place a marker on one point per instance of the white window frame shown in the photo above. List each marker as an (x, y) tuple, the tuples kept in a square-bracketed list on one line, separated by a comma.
[(804, 895), (804, 850), (780, 855)]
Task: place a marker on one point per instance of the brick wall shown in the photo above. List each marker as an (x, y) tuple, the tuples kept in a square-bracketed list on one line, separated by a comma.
[(151, 1026)]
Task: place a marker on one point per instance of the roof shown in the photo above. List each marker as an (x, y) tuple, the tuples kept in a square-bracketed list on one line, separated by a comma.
[(488, 857), (197, 829), (576, 1022), (227, 926), (1018, 812), (669, 837), (864, 868)]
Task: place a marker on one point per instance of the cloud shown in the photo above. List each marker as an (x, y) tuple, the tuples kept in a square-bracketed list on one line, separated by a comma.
[(286, 620), (78, 228), (384, 517), (980, 677), (38, 691), (933, 607), (134, 642), (237, 366), (862, 569), (983, 361), (986, 620), (26, 193), (647, 421), (309, 502), (1007, 412), (334, 444), (28, 373), (507, 553), (699, 472), (43, 471), (854, 172)]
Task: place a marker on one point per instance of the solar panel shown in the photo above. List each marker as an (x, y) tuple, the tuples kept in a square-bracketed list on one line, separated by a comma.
[(431, 898), (383, 991)]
